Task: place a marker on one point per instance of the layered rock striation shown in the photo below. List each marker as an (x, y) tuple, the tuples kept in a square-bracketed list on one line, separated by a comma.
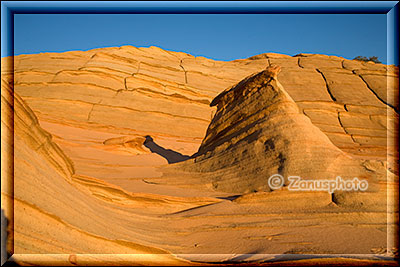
[(258, 131), (102, 85), (120, 149)]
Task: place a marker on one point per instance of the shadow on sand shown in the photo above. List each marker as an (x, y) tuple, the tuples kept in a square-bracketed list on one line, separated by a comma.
[(170, 155)]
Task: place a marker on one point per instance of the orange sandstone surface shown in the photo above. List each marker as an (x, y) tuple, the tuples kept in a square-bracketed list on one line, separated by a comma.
[(144, 156)]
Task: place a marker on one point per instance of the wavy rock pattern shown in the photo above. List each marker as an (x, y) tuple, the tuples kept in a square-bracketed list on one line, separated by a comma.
[(83, 171), (48, 198), (99, 85), (258, 131)]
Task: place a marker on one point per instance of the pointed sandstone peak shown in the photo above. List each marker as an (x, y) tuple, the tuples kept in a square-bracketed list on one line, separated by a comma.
[(258, 131), (245, 85)]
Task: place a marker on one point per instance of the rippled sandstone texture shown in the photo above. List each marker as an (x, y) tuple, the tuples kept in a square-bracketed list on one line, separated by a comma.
[(258, 131), (95, 131)]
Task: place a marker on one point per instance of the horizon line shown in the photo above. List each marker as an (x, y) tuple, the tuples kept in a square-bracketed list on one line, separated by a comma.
[(188, 53)]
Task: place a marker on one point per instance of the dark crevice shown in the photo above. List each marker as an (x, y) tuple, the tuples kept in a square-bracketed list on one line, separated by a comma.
[(148, 182), (298, 63), (92, 56), (126, 88), (180, 64), (333, 198), (376, 95), (340, 122), (230, 197), (344, 129), (170, 155), (326, 84)]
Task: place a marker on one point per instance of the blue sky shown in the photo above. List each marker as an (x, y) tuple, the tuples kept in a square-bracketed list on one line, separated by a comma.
[(219, 36)]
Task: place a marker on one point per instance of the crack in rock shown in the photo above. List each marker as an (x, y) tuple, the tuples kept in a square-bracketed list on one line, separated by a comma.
[(327, 86), (180, 64), (376, 95)]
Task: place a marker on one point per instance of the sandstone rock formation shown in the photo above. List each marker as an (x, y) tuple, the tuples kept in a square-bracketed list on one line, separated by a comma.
[(107, 89), (84, 169), (258, 131), (57, 211)]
